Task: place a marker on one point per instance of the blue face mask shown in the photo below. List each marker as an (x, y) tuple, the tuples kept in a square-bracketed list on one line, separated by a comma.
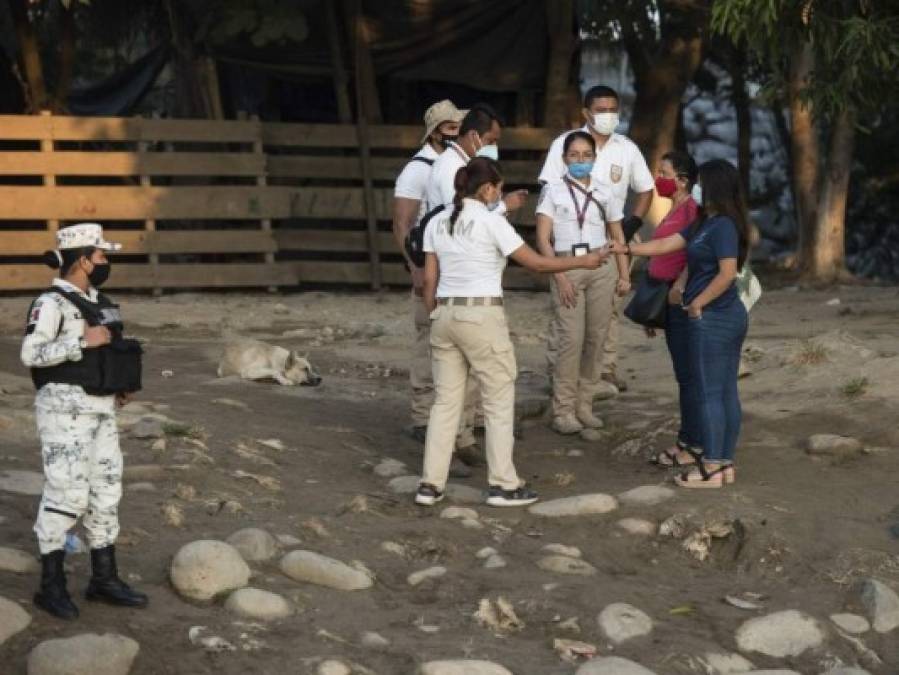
[(489, 151), (580, 169), (696, 193)]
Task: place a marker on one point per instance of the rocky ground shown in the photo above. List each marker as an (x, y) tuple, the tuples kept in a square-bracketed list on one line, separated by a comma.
[(274, 531)]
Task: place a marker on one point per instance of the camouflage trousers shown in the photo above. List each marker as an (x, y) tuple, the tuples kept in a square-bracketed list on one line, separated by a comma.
[(82, 468)]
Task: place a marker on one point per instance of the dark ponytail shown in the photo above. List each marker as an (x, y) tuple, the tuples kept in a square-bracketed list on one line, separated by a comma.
[(469, 180), (64, 259)]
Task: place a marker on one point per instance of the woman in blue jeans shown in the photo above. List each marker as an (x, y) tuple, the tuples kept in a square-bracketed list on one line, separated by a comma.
[(717, 246)]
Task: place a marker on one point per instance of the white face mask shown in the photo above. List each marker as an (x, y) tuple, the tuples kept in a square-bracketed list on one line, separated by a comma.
[(696, 193), (489, 151), (605, 123)]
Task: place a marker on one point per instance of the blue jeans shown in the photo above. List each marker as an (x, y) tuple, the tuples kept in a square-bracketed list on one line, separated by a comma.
[(714, 343), (677, 339)]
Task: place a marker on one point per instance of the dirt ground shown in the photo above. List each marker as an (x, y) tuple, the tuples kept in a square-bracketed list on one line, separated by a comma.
[(802, 528)]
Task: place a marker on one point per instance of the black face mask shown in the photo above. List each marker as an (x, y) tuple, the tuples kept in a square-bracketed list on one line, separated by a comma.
[(446, 139), (99, 274)]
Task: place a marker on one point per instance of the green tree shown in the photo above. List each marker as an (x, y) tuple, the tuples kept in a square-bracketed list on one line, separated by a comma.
[(837, 62)]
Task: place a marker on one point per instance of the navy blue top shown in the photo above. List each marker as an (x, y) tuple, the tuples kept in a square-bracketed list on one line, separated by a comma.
[(713, 239)]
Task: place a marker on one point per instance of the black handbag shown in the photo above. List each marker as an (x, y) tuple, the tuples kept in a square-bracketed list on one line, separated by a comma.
[(649, 305)]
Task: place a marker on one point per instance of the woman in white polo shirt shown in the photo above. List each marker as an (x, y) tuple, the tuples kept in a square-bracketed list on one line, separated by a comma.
[(577, 215), (467, 250)]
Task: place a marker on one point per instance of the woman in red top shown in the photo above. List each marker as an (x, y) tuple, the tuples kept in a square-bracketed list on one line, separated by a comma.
[(675, 178)]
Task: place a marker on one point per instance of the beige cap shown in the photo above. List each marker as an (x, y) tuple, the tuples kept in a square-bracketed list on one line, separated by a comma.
[(83, 235), (440, 112)]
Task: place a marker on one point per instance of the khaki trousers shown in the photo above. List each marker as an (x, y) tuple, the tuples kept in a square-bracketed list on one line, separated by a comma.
[(609, 350), (471, 341), (422, 383), (580, 334)]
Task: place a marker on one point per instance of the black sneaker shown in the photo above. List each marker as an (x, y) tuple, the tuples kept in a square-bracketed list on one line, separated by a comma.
[(523, 496), (427, 495)]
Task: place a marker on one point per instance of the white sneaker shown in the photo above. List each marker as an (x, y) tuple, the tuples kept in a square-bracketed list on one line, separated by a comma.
[(589, 420), (567, 424)]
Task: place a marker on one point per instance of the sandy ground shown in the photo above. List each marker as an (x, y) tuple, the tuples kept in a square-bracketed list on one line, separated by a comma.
[(806, 527)]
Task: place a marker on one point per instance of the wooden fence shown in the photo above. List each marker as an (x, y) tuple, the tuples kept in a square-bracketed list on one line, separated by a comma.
[(206, 204)]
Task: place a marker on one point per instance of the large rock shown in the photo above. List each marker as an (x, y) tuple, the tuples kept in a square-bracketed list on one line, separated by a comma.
[(14, 560), (254, 603), (781, 634), (833, 445), (87, 654), (638, 526), (580, 505), (612, 665), (459, 512), (880, 603), (846, 670), (562, 564), (315, 568), (254, 544), (463, 667), (646, 495), (333, 667), (620, 622), (389, 468), (148, 427), (13, 619), (22, 482), (206, 568), (851, 623)]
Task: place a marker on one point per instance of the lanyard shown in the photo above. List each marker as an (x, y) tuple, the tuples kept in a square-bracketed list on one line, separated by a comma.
[(582, 213)]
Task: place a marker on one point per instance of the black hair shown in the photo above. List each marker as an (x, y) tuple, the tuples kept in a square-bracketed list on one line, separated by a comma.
[(64, 259), (479, 118), (684, 165), (722, 194), (469, 179), (578, 135), (599, 91)]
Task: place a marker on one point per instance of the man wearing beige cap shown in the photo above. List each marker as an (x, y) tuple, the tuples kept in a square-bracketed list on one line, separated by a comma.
[(83, 368), (409, 205)]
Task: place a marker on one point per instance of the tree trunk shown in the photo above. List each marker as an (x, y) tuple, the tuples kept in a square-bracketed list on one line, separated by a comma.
[(189, 99), (740, 100), (559, 22), (66, 59), (364, 65), (805, 155), (30, 56), (660, 87), (827, 261)]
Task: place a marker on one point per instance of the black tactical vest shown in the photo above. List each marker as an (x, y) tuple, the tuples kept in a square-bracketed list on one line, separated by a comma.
[(111, 369)]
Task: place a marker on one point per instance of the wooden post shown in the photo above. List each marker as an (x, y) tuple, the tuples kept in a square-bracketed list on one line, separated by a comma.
[(149, 224), (49, 179), (366, 81), (362, 132), (214, 108), (262, 181), (341, 81)]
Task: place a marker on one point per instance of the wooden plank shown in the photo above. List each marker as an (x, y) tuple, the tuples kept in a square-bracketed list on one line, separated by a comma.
[(349, 241), (144, 242), (130, 164)]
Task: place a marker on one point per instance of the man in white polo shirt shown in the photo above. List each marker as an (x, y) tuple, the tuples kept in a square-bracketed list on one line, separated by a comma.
[(409, 205), (620, 166)]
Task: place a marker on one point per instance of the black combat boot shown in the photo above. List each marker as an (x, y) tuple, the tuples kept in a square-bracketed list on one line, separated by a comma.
[(105, 585), (53, 596)]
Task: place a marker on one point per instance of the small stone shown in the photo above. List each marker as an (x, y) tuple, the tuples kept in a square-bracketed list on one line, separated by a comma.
[(561, 564), (372, 640), (494, 562), (416, 578), (108, 654), (833, 445), (321, 570), (851, 623), (621, 622), (781, 634), (580, 505), (22, 482), (288, 540), (463, 667), (403, 485), (389, 468), (16, 561), (459, 512), (880, 603), (646, 495), (637, 526), (612, 665), (333, 667), (472, 524), (562, 549), (726, 664), (254, 544), (13, 619), (206, 568), (253, 603), (148, 427), (485, 553), (394, 548)]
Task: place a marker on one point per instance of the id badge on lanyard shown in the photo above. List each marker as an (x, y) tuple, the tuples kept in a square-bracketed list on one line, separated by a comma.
[(583, 248)]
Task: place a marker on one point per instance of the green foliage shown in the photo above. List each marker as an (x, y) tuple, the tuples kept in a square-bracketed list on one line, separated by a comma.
[(855, 44), (263, 21), (855, 387)]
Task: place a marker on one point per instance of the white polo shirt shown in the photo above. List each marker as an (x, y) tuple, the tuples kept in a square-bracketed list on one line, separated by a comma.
[(442, 183), (473, 257), (619, 164), (412, 183), (557, 204)]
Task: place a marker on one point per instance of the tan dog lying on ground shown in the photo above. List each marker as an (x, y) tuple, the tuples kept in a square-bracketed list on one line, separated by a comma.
[(255, 360)]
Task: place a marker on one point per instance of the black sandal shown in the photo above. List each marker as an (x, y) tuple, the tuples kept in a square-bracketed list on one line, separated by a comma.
[(670, 460), (688, 478)]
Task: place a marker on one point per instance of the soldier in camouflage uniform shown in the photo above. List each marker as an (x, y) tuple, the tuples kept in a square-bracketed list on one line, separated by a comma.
[(79, 438)]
